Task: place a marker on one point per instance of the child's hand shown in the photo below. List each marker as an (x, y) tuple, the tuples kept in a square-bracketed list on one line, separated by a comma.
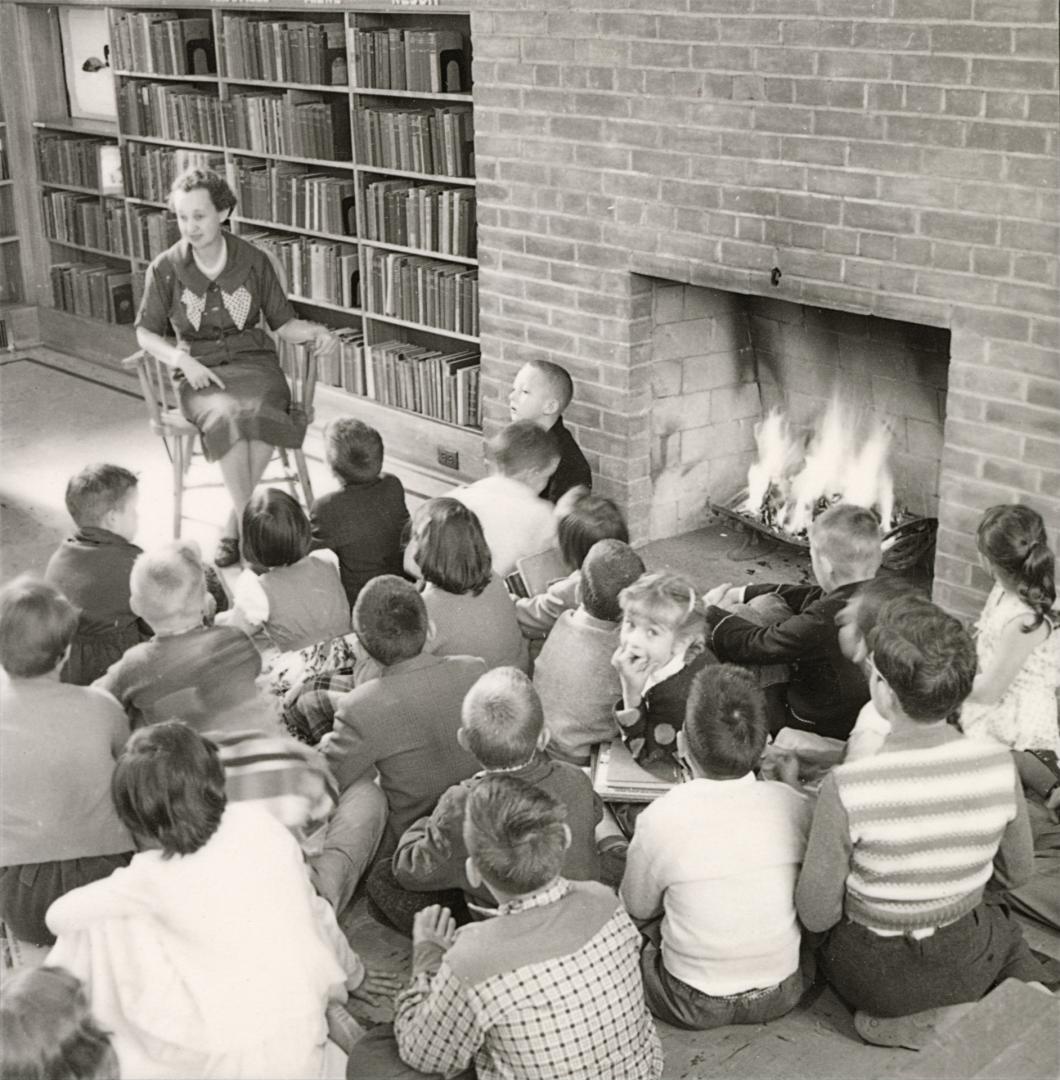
[(433, 931), (378, 988), (720, 595), (633, 670)]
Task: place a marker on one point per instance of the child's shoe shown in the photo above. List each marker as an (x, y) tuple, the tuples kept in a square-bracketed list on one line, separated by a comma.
[(913, 1032)]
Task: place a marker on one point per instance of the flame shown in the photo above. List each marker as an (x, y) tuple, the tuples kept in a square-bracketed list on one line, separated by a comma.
[(779, 454)]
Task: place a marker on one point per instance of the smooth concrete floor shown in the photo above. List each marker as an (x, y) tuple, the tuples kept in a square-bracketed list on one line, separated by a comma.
[(58, 413)]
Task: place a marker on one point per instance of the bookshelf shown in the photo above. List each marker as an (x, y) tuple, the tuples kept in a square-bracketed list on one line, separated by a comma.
[(346, 133), (10, 256)]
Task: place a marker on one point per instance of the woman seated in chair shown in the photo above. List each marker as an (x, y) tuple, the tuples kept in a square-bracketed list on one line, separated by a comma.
[(213, 288)]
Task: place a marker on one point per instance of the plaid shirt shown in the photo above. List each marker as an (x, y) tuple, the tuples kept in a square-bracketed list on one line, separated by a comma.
[(580, 1014)]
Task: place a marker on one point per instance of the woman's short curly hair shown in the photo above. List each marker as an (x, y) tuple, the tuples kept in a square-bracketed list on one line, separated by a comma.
[(221, 195)]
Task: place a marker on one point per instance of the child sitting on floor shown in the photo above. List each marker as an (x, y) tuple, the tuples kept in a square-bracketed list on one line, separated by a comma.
[(826, 690), (48, 1031), (203, 674), (58, 744), (582, 520), (364, 520), (92, 569), (515, 522), (729, 937), (574, 675), (503, 726), (904, 842), (295, 599), (470, 610), (551, 986), (541, 392), (210, 954)]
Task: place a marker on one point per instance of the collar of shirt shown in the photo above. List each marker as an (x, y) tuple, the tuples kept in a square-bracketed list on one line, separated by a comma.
[(412, 664), (747, 778), (556, 891), (671, 667), (930, 735), (93, 534), (232, 275)]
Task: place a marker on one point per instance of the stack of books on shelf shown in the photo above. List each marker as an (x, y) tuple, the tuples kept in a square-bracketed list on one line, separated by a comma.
[(287, 194), (344, 369), (304, 52), (297, 123), (428, 61), (323, 270), (436, 141), (180, 113), (152, 231), (151, 170), (85, 220), (441, 385), (90, 163), (428, 216), (162, 43), (421, 290), (93, 290)]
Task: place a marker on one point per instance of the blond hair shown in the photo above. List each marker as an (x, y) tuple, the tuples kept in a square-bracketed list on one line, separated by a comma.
[(848, 537), (168, 581), (668, 599)]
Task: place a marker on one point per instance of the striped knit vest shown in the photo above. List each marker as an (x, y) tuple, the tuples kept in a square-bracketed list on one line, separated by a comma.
[(925, 825)]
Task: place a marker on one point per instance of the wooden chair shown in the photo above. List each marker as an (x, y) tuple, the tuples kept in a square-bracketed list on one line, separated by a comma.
[(179, 435)]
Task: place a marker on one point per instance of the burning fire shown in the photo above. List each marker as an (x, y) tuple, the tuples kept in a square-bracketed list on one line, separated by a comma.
[(793, 481)]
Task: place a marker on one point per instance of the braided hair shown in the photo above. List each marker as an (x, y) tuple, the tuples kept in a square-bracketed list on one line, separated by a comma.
[(1013, 538)]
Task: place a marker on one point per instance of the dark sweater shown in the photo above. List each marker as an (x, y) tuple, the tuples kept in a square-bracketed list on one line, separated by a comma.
[(572, 470), (826, 691)]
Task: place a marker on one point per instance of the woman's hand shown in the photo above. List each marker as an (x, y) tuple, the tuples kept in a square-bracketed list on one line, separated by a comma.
[(325, 342), (198, 375)]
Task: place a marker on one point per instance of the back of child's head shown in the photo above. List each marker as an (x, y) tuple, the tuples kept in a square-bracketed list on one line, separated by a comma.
[(584, 519), (96, 490), (168, 582), (450, 548), (927, 657), (726, 728), (502, 719), (390, 619), (37, 623), (1014, 540), (560, 384), (169, 788), (861, 612), (849, 538), (523, 449), (516, 834), (276, 531), (354, 450), (609, 567), (668, 599), (48, 1032)]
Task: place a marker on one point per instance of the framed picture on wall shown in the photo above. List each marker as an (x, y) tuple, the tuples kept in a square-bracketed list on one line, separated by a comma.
[(86, 57)]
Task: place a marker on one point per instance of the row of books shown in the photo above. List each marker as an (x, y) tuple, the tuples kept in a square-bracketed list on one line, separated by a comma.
[(162, 43), (7, 212), (437, 141), (151, 231), (297, 123), (315, 269), (85, 220), (289, 194), (422, 290), (91, 163), (288, 51), (168, 111), (93, 290), (428, 216), (429, 61), (343, 369), (150, 170)]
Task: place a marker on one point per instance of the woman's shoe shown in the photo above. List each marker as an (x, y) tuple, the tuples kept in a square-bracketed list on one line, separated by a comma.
[(227, 552)]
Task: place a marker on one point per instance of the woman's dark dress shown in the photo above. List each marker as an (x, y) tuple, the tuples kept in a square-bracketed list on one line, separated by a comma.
[(217, 321)]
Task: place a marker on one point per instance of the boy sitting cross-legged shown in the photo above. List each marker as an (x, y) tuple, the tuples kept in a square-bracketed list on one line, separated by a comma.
[(904, 842), (726, 888), (548, 988)]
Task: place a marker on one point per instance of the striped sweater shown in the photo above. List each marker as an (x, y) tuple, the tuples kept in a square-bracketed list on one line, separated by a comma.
[(924, 827)]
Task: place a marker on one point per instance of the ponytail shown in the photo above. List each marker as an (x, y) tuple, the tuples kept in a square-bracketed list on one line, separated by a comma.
[(1013, 539), (1037, 583)]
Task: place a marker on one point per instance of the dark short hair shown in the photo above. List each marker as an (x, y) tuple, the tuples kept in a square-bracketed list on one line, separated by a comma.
[(451, 549), (522, 447), (725, 721), (390, 619), (515, 833), (169, 787), (276, 531), (1013, 538), (47, 1029), (873, 594), (96, 490), (502, 718), (221, 195), (354, 450), (590, 518), (926, 656), (37, 623), (560, 384)]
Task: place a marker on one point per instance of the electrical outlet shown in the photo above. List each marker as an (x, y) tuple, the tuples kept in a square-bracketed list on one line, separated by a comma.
[(450, 459)]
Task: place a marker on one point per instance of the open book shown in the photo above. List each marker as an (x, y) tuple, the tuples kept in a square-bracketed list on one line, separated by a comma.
[(618, 778)]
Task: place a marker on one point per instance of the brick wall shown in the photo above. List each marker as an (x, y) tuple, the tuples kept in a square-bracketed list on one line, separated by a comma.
[(891, 157)]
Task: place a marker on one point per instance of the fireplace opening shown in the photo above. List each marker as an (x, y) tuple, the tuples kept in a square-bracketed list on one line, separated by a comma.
[(860, 401)]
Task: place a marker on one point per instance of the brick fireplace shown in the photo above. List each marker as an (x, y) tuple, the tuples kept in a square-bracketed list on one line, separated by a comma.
[(891, 159)]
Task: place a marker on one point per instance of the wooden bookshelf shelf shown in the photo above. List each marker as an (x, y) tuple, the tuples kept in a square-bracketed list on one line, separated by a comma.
[(375, 317), (326, 304), (90, 250), (208, 79), (77, 189), (376, 91), (279, 227), (324, 163), (137, 201), (9, 239), (465, 181), (319, 88), (105, 128), (6, 183), (154, 140), (427, 252)]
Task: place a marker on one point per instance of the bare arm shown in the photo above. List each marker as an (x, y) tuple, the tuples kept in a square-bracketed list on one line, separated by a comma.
[(1013, 648)]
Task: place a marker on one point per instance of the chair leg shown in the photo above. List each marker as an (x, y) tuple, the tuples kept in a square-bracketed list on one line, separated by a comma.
[(178, 485), (303, 478)]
